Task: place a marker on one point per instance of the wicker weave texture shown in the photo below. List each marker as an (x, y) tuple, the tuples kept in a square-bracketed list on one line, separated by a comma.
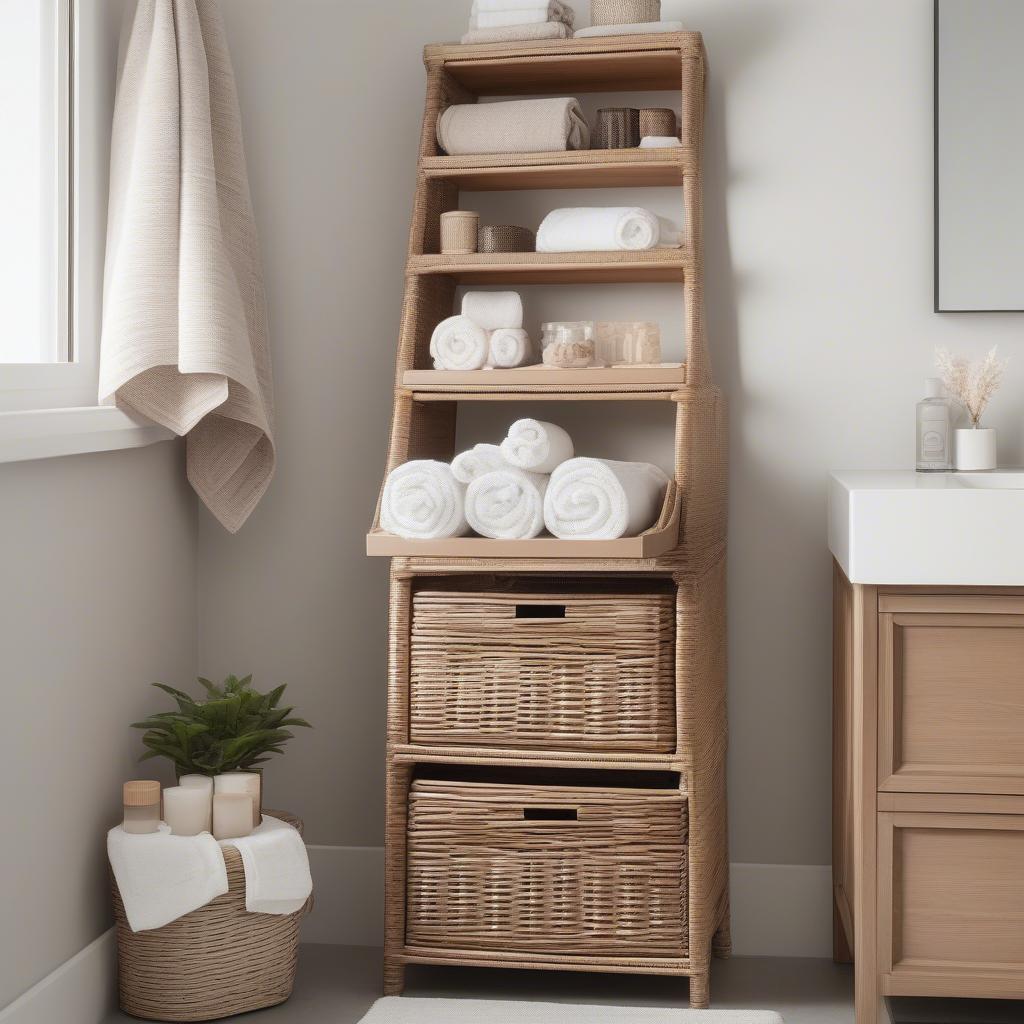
[(657, 121), (506, 238), (618, 128), (624, 12), (217, 961), (488, 670), (566, 870)]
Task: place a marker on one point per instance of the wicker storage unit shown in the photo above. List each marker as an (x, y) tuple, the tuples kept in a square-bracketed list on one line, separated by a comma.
[(217, 961), (568, 870), (591, 668)]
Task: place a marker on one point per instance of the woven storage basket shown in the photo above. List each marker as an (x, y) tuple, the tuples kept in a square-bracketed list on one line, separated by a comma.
[(618, 128), (505, 238), (458, 232), (567, 870), (214, 962), (588, 669), (657, 121), (624, 12)]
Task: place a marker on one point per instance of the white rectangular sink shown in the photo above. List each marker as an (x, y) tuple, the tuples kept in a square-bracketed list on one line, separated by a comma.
[(939, 529)]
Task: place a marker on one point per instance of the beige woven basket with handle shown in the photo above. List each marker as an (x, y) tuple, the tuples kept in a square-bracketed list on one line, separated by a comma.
[(217, 961)]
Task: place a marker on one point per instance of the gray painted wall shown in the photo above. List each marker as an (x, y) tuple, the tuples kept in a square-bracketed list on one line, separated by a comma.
[(98, 600), (819, 248)]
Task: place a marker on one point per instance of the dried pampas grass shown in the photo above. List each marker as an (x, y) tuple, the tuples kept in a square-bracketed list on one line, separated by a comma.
[(971, 383)]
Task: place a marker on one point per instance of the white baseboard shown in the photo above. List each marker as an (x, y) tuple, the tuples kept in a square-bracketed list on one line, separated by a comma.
[(777, 909), (81, 991)]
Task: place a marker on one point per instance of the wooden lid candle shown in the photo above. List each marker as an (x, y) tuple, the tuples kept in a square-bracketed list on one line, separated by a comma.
[(141, 806)]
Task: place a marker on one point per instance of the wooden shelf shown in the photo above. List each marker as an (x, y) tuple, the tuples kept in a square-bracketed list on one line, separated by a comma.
[(661, 537), (608, 168), (651, 265), (648, 62), (544, 382)]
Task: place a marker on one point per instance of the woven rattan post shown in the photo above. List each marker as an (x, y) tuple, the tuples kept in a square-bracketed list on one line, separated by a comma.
[(508, 742)]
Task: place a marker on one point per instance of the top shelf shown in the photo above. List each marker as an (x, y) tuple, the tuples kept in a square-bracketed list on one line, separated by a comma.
[(647, 62)]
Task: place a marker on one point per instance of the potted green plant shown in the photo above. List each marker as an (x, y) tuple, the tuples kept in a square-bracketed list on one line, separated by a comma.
[(233, 728)]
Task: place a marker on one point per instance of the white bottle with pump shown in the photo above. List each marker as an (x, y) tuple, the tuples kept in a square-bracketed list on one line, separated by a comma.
[(934, 430)]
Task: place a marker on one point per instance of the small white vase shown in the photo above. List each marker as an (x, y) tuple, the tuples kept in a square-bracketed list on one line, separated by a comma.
[(976, 449)]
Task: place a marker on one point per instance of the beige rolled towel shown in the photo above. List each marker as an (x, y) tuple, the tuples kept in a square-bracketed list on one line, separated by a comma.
[(513, 126), (184, 319)]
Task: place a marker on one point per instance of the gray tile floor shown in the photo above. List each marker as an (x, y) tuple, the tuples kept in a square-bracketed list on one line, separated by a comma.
[(337, 985)]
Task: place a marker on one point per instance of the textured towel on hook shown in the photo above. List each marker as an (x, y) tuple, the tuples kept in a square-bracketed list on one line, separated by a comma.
[(184, 320)]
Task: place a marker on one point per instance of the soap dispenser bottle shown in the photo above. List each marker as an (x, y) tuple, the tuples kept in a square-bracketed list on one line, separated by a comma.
[(934, 429)]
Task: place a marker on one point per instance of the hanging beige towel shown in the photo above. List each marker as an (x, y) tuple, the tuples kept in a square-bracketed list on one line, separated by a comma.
[(184, 318)]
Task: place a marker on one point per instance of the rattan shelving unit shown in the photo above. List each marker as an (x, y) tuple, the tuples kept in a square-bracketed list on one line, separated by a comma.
[(683, 552)]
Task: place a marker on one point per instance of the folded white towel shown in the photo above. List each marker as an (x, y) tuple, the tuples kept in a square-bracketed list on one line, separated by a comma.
[(503, 13), (597, 499), (507, 504), (603, 228), (459, 343), (513, 126), (536, 445), (480, 459), (277, 878), (659, 142), (422, 500), (509, 347), (163, 877), (491, 310), (631, 29), (518, 33)]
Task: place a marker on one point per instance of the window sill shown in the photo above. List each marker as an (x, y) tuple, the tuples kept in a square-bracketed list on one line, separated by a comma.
[(49, 433)]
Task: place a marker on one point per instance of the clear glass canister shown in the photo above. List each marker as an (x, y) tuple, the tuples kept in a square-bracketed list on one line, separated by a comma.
[(568, 343), (628, 342)]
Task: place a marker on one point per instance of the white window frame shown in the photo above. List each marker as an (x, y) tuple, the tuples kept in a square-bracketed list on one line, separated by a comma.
[(49, 409)]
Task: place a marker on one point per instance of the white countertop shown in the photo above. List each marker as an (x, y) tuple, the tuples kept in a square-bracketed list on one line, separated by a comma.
[(937, 529)]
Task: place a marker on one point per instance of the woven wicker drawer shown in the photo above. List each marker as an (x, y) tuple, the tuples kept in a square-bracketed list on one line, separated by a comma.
[(591, 670), (556, 869)]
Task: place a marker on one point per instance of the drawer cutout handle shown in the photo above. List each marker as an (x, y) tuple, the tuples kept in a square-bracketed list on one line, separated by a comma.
[(550, 814), (540, 611)]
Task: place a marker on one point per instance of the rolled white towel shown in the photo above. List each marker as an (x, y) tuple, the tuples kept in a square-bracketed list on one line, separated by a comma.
[(597, 228), (422, 500), (493, 310), (659, 142), (459, 343), (507, 504), (514, 5), (597, 499), (503, 13), (513, 126), (509, 347), (536, 445), (479, 459)]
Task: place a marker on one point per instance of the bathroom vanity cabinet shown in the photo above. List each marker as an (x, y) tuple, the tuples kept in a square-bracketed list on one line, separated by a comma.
[(928, 790)]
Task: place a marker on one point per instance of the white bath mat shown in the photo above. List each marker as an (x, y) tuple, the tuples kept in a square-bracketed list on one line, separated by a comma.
[(400, 1010)]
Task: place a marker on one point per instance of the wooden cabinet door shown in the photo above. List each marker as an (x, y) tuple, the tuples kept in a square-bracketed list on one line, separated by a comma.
[(951, 694), (951, 903)]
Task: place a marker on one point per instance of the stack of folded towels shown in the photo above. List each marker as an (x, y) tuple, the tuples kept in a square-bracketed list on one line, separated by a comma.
[(514, 490), (487, 333), (500, 21)]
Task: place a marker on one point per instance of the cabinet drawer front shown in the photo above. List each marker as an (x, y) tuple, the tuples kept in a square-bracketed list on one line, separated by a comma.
[(951, 709), (951, 901)]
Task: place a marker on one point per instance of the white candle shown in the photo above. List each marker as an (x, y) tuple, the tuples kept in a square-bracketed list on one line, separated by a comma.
[(203, 783), (232, 815), (186, 810), (241, 782)]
